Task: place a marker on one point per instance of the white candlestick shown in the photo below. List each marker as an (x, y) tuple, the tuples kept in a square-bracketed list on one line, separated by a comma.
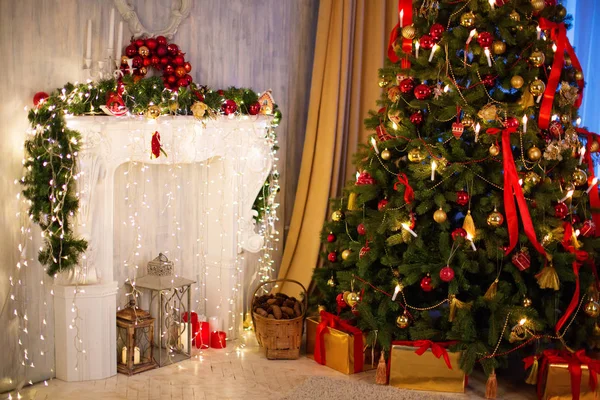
[(539, 32), (214, 324), (396, 291), (88, 44), (487, 55), (111, 33), (477, 129), (525, 123), (569, 194), (433, 167), (581, 155), (374, 143), (433, 50), (492, 3), (119, 47), (594, 181), (401, 18), (183, 335), (470, 239), (417, 45), (405, 226)]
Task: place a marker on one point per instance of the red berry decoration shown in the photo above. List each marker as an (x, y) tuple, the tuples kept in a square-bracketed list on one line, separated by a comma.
[(254, 108), (436, 31), (417, 118), (588, 229), (511, 122), (361, 229), (556, 128), (422, 92), (459, 232), (39, 98), (340, 301), (462, 198), (382, 204), (561, 210), (406, 85), (131, 50), (229, 107), (485, 39), (332, 257), (446, 274), (426, 284), (426, 42), (489, 80)]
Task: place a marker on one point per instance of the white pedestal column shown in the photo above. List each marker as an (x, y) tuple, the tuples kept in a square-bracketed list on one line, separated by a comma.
[(97, 331)]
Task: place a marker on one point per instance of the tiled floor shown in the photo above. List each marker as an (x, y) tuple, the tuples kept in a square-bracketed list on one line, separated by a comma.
[(220, 374)]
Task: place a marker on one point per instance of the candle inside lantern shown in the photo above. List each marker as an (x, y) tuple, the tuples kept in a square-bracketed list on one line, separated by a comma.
[(214, 323), (405, 226), (136, 355), (218, 340)]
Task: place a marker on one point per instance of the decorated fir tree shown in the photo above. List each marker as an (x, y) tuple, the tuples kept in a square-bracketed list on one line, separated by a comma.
[(471, 217)]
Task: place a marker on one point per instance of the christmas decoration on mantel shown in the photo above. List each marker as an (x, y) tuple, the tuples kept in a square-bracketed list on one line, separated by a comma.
[(481, 219)]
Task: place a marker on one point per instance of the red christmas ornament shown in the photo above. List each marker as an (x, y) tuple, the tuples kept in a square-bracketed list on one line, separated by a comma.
[(332, 257), (485, 39), (179, 60), (161, 40), (182, 82), (436, 31), (39, 98), (131, 50), (161, 50), (340, 301), (422, 92), (254, 108), (169, 69), (561, 210), (417, 118), (457, 129), (446, 274), (426, 42), (361, 229), (459, 232), (511, 122), (382, 204), (575, 220), (364, 178), (489, 80), (164, 61), (180, 72), (147, 61), (171, 79), (137, 62), (462, 198), (521, 259), (188, 67), (550, 3), (426, 284), (588, 229), (151, 43), (140, 42), (155, 61), (229, 107), (406, 85), (331, 238), (221, 92), (556, 128), (172, 48)]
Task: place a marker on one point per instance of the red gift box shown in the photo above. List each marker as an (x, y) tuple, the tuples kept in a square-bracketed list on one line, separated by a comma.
[(522, 260), (218, 340)]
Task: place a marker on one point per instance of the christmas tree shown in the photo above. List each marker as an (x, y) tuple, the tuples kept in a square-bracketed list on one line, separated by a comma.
[(471, 216)]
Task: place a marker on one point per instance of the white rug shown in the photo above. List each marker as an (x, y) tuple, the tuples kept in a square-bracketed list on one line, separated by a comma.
[(322, 387)]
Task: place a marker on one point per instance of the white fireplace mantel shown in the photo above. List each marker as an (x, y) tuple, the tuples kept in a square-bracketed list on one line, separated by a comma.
[(107, 142)]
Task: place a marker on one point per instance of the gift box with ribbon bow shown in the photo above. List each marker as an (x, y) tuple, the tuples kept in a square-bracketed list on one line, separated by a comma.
[(566, 375), (333, 342), (425, 365)]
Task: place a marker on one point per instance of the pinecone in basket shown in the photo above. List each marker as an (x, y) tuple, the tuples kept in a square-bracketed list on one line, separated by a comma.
[(278, 306)]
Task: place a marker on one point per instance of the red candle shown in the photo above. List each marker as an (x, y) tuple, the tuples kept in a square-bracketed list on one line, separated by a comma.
[(203, 336), (218, 340)]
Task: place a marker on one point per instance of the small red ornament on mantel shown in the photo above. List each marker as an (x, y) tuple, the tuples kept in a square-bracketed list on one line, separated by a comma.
[(426, 285), (462, 198), (522, 260), (254, 108), (229, 107), (561, 210)]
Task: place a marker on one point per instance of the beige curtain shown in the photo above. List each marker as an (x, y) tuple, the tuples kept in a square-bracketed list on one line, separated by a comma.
[(351, 46)]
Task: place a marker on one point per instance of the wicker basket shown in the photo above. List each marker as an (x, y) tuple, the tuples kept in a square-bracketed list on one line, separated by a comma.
[(281, 338)]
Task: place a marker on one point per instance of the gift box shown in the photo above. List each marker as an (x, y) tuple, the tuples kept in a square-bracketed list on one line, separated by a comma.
[(425, 365), (566, 375), (333, 342)]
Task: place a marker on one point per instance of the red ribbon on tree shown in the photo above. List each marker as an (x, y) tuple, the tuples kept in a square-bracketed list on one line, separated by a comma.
[(575, 361), (404, 7), (329, 320), (512, 189), (594, 195), (580, 258), (409, 193), (558, 33)]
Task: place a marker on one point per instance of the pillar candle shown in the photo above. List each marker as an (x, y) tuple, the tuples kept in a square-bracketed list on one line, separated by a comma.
[(124, 355), (183, 336), (119, 48), (111, 33), (218, 340), (203, 337), (215, 324), (88, 42), (136, 355)]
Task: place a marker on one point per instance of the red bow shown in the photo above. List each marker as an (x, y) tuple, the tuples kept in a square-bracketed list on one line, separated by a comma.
[(437, 348), (409, 193), (558, 33), (575, 361), (406, 6), (329, 320), (512, 189), (594, 195)]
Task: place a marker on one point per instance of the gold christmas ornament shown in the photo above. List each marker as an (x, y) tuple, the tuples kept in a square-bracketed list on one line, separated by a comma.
[(517, 81), (337, 216), (499, 47), (402, 322), (565, 119), (199, 109), (561, 11), (532, 178), (515, 16), (351, 298), (538, 5), (467, 19), (440, 216), (534, 153), (579, 177), (416, 155), (331, 282), (592, 309), (467, 121), (345, 254), (153, 112), (537, 87), (124, 60), (489, 112), (527, 302), (495, 219), (537, 58), (408, 32), (494, 150), (386, 154), (143, 70), (579, 75), (383, 82), (144, 51)]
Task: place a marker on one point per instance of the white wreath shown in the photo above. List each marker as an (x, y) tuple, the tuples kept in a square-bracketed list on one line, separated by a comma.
[(180, 10)]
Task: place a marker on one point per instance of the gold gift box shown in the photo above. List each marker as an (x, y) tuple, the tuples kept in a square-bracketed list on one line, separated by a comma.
[(339, 348), (557, 383), (409, 370)]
